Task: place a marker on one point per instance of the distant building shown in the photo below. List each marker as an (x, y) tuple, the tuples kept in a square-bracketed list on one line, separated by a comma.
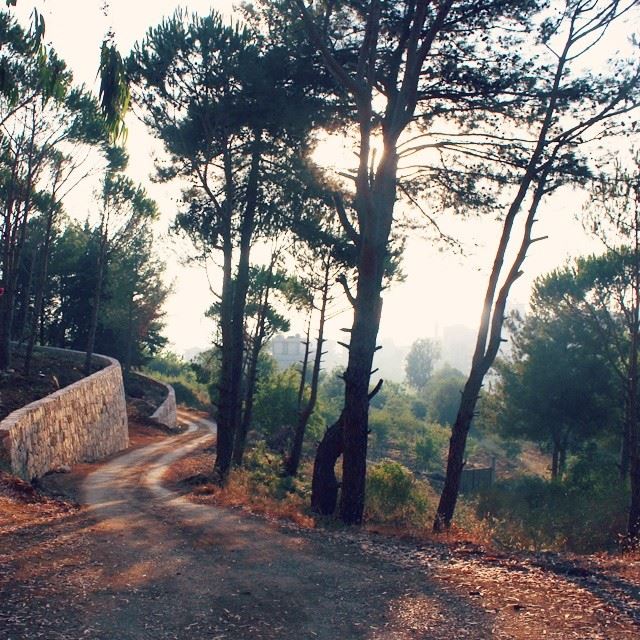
[(287, 350)]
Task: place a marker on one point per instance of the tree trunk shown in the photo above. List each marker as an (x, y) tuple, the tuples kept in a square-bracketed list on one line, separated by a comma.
[(457, 445), (489, 336), (293, 461), (555, 457), (562, 459), (25, 289), (6, 322), (225, 434), (625, 454), (240, 443), (633, 528), (8, 299), (377, 211), (247, 415), (634, 436), (305, 364), (128, 358), (324, 486), (233, 337), (95, 308), (41, 286)]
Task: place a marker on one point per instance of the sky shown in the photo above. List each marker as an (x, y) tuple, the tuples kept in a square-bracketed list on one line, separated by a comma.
[(441, 288)]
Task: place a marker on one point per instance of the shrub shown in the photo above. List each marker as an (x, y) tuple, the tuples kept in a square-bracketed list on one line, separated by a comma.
[(427, 452), (188, 392), (394, 496), (419, 408), (189, 395), (430, 446), (265, 478), (578, 514)]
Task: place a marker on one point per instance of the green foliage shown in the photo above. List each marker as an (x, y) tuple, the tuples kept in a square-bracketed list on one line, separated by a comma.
[(555, 389), (133, 293), (168, 363), (584, 513), (394, 496), (276, 405), (394, 425), (114, 89), (27, 69), (206, 366), (131, 322), (275, 411), (430, 447), (331, 395), (170, 368), (421, 359), (265, 474), (442, 394), (420, 409), (427, 452)]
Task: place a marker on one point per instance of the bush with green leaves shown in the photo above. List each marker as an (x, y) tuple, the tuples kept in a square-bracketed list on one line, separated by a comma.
[(265, 474), (394, 496), (275, 411), (170, 368), (584, 513), (431, 446), (443, 394)]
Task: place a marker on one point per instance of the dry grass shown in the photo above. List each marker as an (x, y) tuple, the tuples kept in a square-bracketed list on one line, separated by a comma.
[(188, 476), (21, 505)]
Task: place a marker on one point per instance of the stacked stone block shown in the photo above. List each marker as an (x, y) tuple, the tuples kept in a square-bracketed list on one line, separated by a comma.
[(166, 413), (83, 422)]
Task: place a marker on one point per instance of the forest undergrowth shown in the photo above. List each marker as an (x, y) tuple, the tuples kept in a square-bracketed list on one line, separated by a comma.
[(518, 514)]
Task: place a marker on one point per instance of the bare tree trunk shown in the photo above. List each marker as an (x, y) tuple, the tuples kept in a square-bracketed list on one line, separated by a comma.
[(625, 453), (374, 204), (555, 457), (25, 290), (488, 339), (251, 377), (293, 461), (233, 338), (634, 475), (562, 458), (324, 485), (225, 434), (95, 308), (305, 364), (41, 286), (634, 435), (128, 358), (247, 415), (378, 211), (8, 299)]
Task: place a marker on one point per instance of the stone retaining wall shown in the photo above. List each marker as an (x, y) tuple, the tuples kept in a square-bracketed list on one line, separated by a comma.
[(84, 421), (166, 413)]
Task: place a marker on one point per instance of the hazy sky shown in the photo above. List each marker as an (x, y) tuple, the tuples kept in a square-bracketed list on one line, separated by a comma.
[(440, 288)]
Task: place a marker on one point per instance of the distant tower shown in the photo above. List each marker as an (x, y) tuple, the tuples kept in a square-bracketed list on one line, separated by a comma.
[(287, 350)]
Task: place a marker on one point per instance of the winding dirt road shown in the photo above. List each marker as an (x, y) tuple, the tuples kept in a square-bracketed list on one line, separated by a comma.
[(183, 570), (141, 562)]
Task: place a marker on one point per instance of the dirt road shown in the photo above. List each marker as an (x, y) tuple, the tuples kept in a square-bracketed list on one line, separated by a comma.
[(143, 563), (188, 571)]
